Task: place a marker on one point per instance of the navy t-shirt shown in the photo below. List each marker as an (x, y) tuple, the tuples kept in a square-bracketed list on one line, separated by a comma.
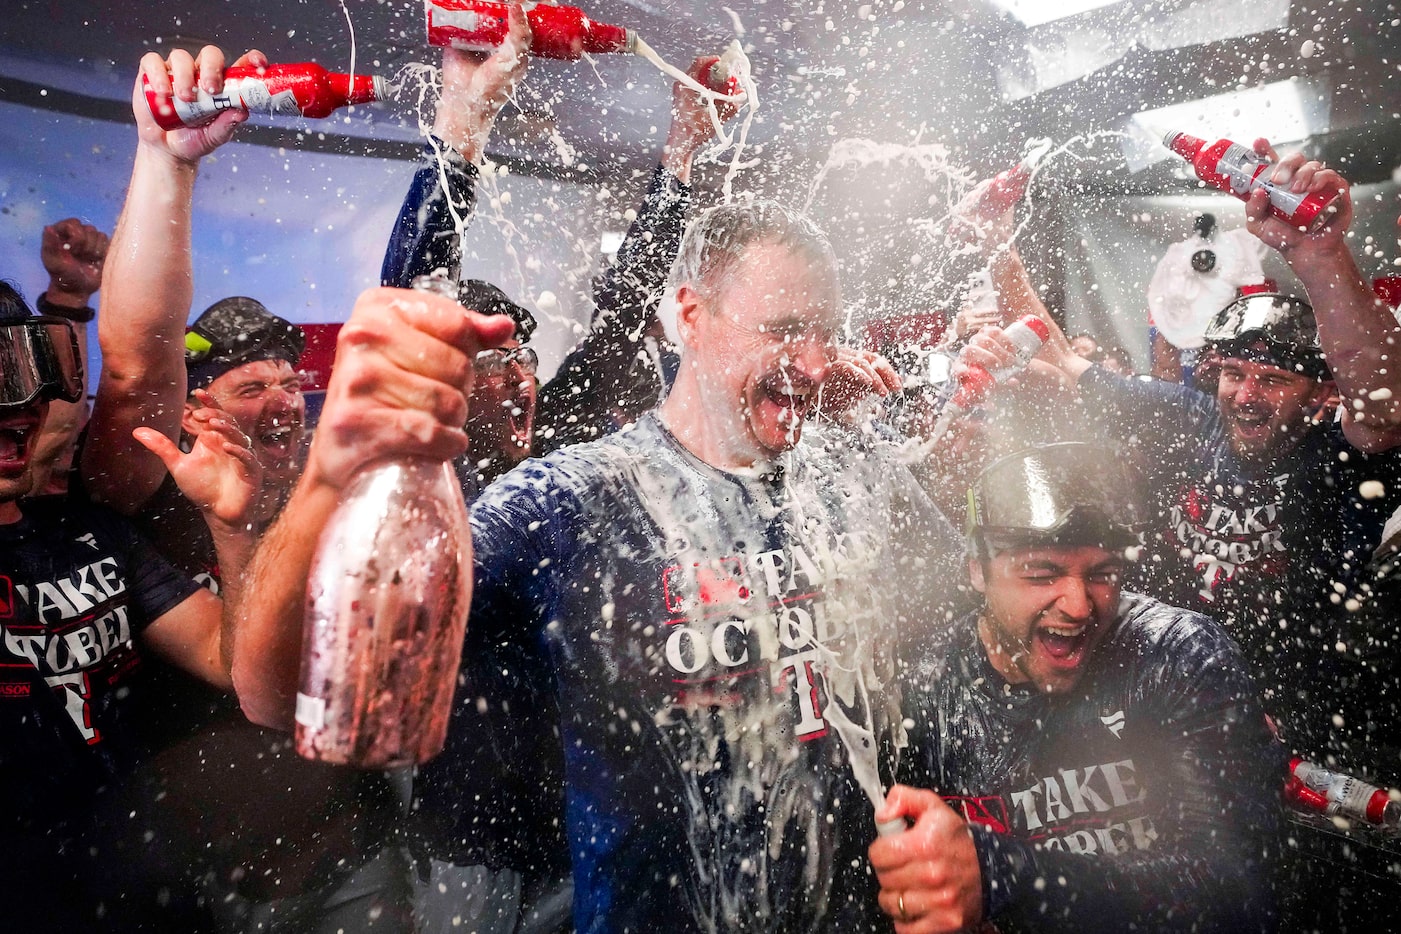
[(714, 646), (77, 584), (1144, 798), (1275, 554)]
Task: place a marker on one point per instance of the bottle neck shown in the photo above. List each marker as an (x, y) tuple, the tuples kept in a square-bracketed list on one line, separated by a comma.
[(603, 37), (1184, 144), (364, 89)]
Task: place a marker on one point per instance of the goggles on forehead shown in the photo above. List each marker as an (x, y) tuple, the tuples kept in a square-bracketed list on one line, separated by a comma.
[(1282, 326), (39, 360), (1067, 493)]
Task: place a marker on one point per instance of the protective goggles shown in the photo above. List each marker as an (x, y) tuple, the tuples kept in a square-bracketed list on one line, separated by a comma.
[(1048, 493), (1272, 328), (39, 360)]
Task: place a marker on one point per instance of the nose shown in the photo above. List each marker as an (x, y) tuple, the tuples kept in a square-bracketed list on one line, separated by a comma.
[(811, 357), (284, 398), (1074, 598), (1247, 391)]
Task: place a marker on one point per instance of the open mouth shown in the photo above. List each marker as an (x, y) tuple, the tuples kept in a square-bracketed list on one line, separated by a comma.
[(519, 418), (280, 441), (17, 439), (792, 396), (1063, 644), (1250, 424)]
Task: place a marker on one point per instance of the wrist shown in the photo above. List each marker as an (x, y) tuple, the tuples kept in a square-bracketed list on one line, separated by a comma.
[(158, 154), (1074, 367), (466, 133), (1323, 260), (61, 304)]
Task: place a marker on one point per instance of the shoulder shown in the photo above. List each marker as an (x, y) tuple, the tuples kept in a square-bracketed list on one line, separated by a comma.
[(1148, 622), (947, 652), (572, 472), (1174, 644), (553, 496), (63, 515)]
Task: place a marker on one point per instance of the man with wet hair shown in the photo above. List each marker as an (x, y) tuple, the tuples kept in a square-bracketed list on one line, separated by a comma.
[(83, 601), (624, 364), (703, 605), (1082, 758)]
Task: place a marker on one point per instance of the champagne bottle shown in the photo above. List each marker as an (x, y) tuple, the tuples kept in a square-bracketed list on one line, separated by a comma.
[(386, 612)]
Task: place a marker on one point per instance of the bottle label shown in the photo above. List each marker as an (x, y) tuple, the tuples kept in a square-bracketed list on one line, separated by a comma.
[(1353, 796), (466, 20), (1242, 169), (311, 711), (238, 93)]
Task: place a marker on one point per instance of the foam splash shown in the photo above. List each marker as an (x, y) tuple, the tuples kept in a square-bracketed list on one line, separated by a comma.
[(736, 65)]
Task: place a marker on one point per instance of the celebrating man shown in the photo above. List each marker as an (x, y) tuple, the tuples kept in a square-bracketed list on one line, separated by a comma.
[(1105, 749), (691, 599)]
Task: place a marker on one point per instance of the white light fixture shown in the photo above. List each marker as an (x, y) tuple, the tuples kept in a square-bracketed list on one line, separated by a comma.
[(1035, 12), (1282, 112)]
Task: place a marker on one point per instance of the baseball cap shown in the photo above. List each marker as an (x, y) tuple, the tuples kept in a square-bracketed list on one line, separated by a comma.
[(235, 331), (486, 299)]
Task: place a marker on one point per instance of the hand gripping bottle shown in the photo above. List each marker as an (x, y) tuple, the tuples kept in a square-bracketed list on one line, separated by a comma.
[(301, 90), (1239, 170), (557, 31), (1028, 333), (987, 202), (386, 612), (1314, 788)]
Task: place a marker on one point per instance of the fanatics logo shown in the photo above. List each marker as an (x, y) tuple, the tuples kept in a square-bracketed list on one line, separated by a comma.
[(89, 540), (1115, 722)]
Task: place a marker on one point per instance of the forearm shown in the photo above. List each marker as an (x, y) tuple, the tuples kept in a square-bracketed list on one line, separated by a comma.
[(1360, 337), (146, 295), (427, 234), (267, 618), (1015, 294), (627, 293)]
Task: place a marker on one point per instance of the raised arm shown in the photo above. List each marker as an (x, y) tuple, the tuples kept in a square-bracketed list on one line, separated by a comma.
[(1360, 336), (442, 198), (147, 285), (613, 368), (400, 387), (73, 254)]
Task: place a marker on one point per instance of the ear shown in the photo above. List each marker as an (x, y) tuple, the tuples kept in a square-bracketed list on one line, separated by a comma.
[(689, 311), (187, 424), (1324, 392), (975, 575)]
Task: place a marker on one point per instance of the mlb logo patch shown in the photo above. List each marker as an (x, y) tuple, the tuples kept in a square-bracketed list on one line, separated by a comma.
[(7, 598)]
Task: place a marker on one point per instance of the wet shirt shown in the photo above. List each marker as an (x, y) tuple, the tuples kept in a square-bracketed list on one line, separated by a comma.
[(1142, 799), (1275, 555), (77, 584), (716, 646)]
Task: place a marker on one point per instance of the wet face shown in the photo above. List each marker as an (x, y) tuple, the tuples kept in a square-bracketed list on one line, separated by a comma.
[(1046, 610), (265, 401), (761, 349), (501, 419), (1266, 410), (19, 437)]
